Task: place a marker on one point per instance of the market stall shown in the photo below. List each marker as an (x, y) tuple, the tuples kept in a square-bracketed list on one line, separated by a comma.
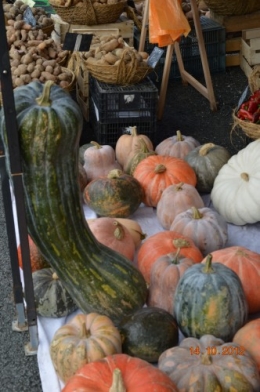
[(56, 212)]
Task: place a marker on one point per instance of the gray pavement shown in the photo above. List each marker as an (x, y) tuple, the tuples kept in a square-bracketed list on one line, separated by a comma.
[(18, 372)]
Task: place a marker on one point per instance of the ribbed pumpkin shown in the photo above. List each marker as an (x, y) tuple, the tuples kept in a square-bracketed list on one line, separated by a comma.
[(177, 146), (136, 156), (148, 332), (175, 199), (246, 264), (193, 368), (36, 258), (128, 142), (120, 372), (118, 195), (85, 338), (165, 275), (49, 126), (155, 173), (99, 160), (210, 299), (205, 226), (249, 337), (162, 243), (51, 297), (238, 185), (207, 160), (113, 234)]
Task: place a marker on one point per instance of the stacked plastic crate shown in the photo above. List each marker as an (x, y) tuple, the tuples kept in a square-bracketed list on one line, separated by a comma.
[(115, 108)]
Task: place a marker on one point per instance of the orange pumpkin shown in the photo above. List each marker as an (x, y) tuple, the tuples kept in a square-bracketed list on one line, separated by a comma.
[(249, 337), (85, 338), (128, 142), (37, 260), (112, 233), (175, 199), (155, 173), (120, 372), (246, 264), (165, 275), (162, 243)]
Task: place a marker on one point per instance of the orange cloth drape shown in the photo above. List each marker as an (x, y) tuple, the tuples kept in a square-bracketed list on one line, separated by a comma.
[(167, 22)]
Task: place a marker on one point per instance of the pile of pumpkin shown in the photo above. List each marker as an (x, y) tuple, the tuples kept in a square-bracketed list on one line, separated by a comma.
[(188, 280)]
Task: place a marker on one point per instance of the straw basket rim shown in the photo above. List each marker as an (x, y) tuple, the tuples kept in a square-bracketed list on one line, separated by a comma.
[(90, 13), (233, 7), (252, 130), (124, 73)]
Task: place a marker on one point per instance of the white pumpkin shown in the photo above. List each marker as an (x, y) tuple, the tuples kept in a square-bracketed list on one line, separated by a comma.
[(236, 189)]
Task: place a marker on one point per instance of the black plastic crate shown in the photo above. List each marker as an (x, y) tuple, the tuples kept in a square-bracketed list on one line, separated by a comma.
[(108, 132), (136, 102), (215, 44)]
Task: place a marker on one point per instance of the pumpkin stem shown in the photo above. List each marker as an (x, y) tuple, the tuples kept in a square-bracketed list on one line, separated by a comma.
[(181, 243), (119, 232), (208, 265), (55, 276), (179, 137), (84, 333), (160, 168), (205, 149), (245, 176), (96, 144), (179, 186), (133, 131), (175, 260), (196, 214), (206, 359), (114, 173), (44, 99), (117, 382)]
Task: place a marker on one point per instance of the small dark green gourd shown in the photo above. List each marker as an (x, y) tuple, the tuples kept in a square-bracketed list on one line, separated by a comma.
[(97, 278)]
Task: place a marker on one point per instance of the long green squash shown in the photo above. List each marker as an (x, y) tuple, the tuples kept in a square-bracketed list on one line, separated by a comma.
[(97, 278)]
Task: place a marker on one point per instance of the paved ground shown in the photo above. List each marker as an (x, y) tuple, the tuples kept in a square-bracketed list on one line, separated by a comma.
[(186, 110)]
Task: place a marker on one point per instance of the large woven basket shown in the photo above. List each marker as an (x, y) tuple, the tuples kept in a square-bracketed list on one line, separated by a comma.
[(124, 73), (90, 13), (233, 7), (251, 130)]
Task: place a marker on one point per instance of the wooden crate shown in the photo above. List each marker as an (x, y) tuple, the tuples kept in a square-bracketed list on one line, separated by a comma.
[(125, 29), (250, 50), (234, 25)]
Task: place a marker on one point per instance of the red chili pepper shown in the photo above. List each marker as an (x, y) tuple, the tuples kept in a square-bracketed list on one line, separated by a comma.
[(256, 116), (252, 106), (256, 95), (244, 115)]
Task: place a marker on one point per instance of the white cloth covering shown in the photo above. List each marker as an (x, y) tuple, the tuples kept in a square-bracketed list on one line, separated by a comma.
[(247, 236)]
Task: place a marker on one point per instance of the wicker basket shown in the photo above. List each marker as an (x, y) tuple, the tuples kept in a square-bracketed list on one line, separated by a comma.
[(130, 11), (48, 29), (72, 84), (233, 7), (90, 13), (250, 129), (125, 73)]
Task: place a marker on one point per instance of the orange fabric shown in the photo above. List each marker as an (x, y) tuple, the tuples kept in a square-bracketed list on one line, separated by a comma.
[(167, 22)]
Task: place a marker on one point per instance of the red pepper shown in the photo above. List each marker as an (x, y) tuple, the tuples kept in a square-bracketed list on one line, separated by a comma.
[(244, 115), (252, 106), (256, 95), (256, 116)]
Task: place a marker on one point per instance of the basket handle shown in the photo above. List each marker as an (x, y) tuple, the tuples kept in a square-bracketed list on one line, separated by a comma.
[(254, 79), (127, 68)]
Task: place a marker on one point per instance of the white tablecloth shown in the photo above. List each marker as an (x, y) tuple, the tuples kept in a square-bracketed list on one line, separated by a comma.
[(247, 236)]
